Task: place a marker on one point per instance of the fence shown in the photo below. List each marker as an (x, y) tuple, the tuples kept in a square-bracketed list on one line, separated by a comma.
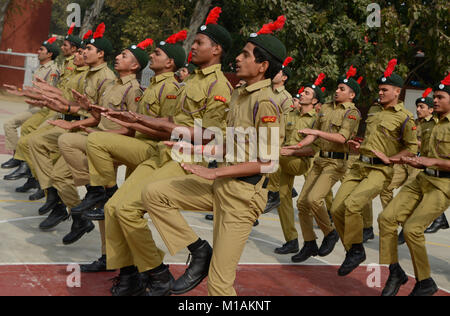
[(11, 60)]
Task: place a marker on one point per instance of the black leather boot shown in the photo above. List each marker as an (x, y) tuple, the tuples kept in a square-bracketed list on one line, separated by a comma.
[(425, 288), (31, 184), (328, 244), (401, 238), (39, 195), (11, 164), (22, 172), (397, 278), (79, 228), (96, 266), (53, 199), (98, 214), (128, 284), (438, 224), (273, 202), (209, 217), (197, 271), (368, 234), (294, 193), (289, 247), (160, 283), (56, 217), (94, 196), (353, 259), (310, 249)]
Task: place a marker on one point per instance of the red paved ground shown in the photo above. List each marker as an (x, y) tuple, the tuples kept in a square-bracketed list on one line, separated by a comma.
[(255, 280)]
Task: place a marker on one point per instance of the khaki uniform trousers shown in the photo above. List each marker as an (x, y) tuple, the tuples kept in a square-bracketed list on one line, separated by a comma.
[(236, 204), (129, 240), (324, 174), (106, 150), (417, 205), (361, 185), (402, 174), (290, 167), (13, 124)]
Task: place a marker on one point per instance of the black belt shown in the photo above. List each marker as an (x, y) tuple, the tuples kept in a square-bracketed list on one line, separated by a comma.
[(70, 118), (254, 180), (437, 173), (371, 161), (333, 155)]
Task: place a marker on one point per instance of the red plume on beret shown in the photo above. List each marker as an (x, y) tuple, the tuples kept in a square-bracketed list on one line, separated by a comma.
[(70, 31), (178, 37), (360, 80), (287, 61), (144, 44), (213, 16), (323, 89), (87, 35), (390, 69), (320, 79), (100, 31), (51, 40), (351, 72), (272, 27), (446, 81), (301, 90), (427, 92), (190, 57)]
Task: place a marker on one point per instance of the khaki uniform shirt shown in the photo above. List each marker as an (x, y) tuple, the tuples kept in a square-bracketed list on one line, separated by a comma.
[(389, 131), (95, 80), (160, 98), (67, 69), (254, 107), (438, 146), (296, 122), (284, 99), (48, 72), (424, 130), (120, 95), (341, 119)]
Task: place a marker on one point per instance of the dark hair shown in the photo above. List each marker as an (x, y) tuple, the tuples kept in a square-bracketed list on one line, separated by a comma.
[(224, 52), (54, 55), (287, 75), (261, 55)]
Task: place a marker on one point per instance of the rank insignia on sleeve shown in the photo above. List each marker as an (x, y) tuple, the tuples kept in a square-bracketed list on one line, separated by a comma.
[(221, 99), (172, 97), (269, 119), (54, 75), (137, 99), (352, 117), (414, 128)]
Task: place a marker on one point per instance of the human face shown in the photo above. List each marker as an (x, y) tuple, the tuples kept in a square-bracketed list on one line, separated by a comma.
[(79, 60), (183, 73), (388, 94), (344, 94), (67, 49), (246, 66), (204, 50), (424, 111), (43, 54), (280, 78), (307, 97), (160, 61), (92, 56), (441, 102), (126, 61)]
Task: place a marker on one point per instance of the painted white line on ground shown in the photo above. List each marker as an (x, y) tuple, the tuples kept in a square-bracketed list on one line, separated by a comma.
[(21, 219)]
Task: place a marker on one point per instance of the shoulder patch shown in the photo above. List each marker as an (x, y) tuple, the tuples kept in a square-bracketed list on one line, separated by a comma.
[(352, 117), (172, 97), (269, 119), (220, 98)]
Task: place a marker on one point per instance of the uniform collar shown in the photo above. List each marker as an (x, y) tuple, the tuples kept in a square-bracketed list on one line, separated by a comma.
[(99, 67), (48, 65), (429, 118), (446, 117), (127, 79), (209, 70), (399, 107), (346, 105), (310, 113), (162, 77), (70, 58), (280, 89), (258, 86), (81, 69)]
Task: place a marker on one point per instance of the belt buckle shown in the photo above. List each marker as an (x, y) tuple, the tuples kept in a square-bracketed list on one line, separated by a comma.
[(326, 154), (431, 172), (366, 159)]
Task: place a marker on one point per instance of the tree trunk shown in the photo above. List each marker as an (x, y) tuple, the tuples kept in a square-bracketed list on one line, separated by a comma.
[(198, 18), (91, 15), (3, 9)]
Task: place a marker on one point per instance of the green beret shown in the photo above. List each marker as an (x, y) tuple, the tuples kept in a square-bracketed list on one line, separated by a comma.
[(393, 80), (287, 71), (218, 34), (319, 93), (428, 101), (353, 84), (271, 44), (174, 51), (102, 44), (52, 47), (74, 40), (140, 54), (442, 87), (191, 67)]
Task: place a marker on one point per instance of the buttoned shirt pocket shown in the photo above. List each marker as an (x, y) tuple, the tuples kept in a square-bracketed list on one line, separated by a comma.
[(390, 129), (442, 144)]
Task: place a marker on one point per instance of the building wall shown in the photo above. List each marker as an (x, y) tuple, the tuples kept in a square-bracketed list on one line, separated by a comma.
[(23, 32)]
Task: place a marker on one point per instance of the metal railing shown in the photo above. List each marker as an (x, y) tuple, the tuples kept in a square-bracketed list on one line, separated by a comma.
[(31, 63)]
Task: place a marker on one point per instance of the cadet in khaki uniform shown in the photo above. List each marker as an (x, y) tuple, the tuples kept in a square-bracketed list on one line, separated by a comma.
[(34, 117), (419, 203), (236, 192), (44, 148), (205, 97), (391, 133), (337, 123), (295, 163)]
